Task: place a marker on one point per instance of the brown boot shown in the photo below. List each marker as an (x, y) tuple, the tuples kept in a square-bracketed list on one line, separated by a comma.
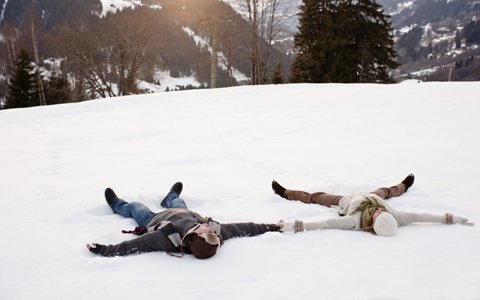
[(408, 181), (278, 189)]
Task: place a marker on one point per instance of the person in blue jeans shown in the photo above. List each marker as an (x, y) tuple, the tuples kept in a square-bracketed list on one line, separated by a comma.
[(174, 230)]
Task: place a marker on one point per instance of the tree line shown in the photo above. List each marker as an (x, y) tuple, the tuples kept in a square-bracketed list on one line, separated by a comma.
[(337, 41)]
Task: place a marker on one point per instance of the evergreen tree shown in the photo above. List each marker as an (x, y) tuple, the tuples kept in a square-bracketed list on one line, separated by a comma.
[(3, 93), (373, 42), (277, 74), (313, 41), (471, 32), (22, 86), (58, 90), (343, 41), (458, 40)]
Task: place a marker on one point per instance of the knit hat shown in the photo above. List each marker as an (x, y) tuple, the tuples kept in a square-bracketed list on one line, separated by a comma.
[(204, 245), (385, 225)]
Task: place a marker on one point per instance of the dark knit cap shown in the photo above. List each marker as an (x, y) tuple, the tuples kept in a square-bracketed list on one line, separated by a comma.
[(201, 249)]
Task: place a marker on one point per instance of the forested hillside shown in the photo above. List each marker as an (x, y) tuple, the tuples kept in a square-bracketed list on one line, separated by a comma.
[(84, 49), (135, 49), (436, 39)]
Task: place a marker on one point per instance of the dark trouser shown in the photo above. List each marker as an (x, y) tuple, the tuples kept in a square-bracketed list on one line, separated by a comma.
[(329, 199)]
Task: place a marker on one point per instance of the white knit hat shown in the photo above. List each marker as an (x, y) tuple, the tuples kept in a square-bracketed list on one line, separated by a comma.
[(385, 225)]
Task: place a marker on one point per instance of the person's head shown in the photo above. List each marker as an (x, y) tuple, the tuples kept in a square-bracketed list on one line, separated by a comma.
[(384, 223), (202, 241)]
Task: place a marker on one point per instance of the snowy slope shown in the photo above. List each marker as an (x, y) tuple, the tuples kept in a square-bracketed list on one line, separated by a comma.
[(113, 6), (226, 145), (2, 10)]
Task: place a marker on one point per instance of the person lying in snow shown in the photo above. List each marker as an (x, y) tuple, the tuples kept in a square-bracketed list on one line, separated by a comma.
[(363, 211), (174, 230)]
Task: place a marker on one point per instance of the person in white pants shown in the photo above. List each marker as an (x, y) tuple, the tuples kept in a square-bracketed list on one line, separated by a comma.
[(363, 211)]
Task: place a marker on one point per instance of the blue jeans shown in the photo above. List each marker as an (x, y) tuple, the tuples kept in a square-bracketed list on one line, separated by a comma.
[(172, 200), (142, 214)]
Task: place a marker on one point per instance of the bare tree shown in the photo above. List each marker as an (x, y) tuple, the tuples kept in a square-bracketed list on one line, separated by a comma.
[(129, 37), (229, 46), (265, 24), (10, 37), (85, 51), (106, 55), (34, 26), (25, 37)]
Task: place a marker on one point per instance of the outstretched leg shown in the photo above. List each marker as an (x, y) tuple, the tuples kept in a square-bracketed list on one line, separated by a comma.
[(317, 198), (139, 212), (172, 199), (396, 190)]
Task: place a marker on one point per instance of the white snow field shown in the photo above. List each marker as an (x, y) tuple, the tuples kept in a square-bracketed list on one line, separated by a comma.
[(226, 146)]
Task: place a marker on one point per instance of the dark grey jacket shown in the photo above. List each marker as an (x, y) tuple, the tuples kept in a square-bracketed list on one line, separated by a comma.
[(168, 227)]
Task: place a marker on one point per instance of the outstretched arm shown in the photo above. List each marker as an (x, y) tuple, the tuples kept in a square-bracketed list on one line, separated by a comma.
[(245, 229), (405, 218), (155, 241), (345, 223)]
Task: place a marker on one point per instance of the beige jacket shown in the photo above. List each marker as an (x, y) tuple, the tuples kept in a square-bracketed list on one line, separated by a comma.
[(349, 203)]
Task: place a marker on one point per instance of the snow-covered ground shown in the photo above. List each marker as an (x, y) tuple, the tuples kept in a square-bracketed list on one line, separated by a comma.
[(165, 81), (227, 145), (112, 6)]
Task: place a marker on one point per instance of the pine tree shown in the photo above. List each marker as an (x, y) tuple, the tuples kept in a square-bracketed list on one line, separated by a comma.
[(277, 74), (458, 40), (22, 86), (58, 90), (312, 42), (373, 42), (343, 41)]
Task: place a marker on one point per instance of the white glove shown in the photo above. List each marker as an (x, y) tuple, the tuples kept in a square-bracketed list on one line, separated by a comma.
[(462, 220), (451, 219), (297, 226)]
